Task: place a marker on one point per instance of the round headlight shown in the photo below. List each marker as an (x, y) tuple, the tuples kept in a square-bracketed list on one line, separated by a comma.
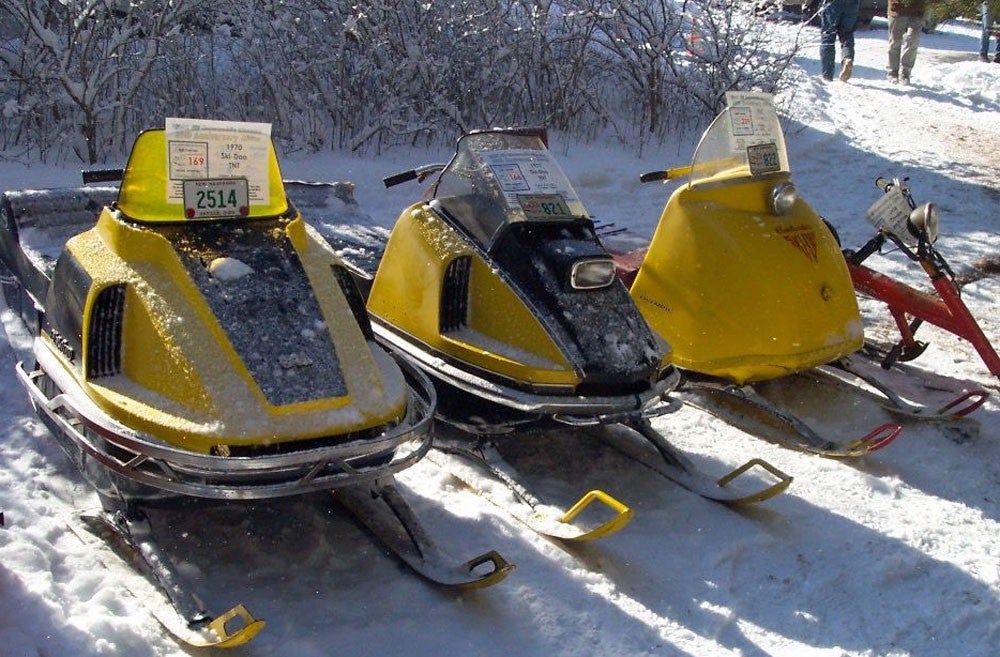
[(923, 222), (783, 197), (592, 274)]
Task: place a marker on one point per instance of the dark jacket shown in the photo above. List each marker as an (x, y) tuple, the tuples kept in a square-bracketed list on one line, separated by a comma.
[(907, 7)]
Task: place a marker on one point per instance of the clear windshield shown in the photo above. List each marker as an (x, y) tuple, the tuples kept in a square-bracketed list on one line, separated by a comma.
[(744, 141), (502, 177)]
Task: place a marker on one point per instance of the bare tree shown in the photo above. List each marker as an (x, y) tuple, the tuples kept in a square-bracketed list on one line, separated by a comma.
[(90, 57), (84, 76)]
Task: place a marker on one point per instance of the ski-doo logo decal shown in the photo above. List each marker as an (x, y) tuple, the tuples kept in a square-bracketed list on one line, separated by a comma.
[(802, 238)]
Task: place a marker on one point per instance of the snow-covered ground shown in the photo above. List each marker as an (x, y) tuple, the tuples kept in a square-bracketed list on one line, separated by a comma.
[(896, 554)]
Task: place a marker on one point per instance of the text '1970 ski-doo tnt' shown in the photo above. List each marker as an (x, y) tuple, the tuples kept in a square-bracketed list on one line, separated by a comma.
[(749, 285), (497, 286), (202, 340)]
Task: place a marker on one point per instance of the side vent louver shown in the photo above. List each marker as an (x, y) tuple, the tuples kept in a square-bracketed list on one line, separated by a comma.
[(104, 347), (455, 295), (350, 289)]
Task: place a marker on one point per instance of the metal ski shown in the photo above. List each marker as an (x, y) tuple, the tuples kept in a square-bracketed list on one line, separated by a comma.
[(744, 407), (180, 611), (663, 458), (889, 399), (382, 509), (466, 460)]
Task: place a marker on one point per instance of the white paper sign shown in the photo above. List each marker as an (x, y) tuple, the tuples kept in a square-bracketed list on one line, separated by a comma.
[(891, 213), (523, 171), (201, 149), (753, 120)]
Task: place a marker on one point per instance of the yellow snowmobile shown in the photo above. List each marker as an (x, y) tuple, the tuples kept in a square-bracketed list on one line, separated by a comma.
[(202, 340), (497, 287), (748, 283)]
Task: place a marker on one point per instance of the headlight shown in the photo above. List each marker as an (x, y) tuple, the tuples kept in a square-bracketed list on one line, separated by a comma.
[(592, 274), (923, 223), (783, 197)]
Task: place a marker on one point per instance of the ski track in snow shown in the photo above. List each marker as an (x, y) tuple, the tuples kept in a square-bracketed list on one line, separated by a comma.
[(895, 555)]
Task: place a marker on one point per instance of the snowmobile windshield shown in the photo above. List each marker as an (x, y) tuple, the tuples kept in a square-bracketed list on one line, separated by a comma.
[(743, 142), (207, 170), (502, 177)]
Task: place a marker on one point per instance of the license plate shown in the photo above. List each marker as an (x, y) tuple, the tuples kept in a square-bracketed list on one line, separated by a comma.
[(213, 199), (544, 207), (763, 158)]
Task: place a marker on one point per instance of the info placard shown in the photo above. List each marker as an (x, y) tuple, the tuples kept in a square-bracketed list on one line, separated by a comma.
[(201, 149)]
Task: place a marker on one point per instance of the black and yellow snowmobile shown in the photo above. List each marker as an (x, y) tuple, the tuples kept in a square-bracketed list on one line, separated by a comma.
[(497, 287), (202, 340), (749, 285)]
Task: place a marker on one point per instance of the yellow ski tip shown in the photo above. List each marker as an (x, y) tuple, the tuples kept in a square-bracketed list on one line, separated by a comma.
[(767, 493), (230, 639), (623, 515), (500, 569)]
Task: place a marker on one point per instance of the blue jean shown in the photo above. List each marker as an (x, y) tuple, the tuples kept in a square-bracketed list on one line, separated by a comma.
[(838, 18), (984, 43)]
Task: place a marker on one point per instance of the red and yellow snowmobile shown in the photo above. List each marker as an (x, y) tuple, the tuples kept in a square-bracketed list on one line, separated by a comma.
[(749, 285), (498, 288), (202, 340)]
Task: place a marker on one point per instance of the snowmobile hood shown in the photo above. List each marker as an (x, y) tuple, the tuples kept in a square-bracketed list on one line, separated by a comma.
[(487, 269), (743, 286)]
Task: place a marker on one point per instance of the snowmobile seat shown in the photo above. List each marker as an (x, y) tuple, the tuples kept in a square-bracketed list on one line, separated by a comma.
[(627, 265), (35, 224)]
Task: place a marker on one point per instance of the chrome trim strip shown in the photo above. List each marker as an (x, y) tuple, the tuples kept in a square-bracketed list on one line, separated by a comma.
[(516, 398), (153, 462)]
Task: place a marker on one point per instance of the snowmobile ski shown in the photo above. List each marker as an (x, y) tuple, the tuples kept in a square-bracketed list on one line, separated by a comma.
[(880, 392), (179, 610), (665, 459), (465, 460), (745, 408), (382, 509)]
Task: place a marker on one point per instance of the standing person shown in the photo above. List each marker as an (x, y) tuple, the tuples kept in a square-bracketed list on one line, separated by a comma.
[(984, 43), (838, 18), (906, 18)]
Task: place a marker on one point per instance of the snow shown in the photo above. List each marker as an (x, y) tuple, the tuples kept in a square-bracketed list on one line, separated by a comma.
[(229, 269), (893, 555)]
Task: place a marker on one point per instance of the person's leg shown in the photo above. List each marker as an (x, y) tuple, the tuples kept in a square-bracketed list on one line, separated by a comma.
[(829, 18), (911, 40), (846, 26), (896, 28), (984, 41), (845, 34)]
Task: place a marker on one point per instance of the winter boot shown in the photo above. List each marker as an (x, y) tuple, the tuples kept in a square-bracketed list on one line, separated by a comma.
[(846, 69)]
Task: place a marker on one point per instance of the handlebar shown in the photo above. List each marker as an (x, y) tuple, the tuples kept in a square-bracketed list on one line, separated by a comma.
[(101, 175), (668, 174), (400, 178), (419, 174)]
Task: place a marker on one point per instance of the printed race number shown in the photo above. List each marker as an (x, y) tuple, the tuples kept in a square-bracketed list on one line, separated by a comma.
[(211, 199)]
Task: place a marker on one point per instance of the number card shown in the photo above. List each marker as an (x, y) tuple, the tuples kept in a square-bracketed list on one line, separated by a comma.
[(532, 180), (214, 152), (753, 122), (742, 118)]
